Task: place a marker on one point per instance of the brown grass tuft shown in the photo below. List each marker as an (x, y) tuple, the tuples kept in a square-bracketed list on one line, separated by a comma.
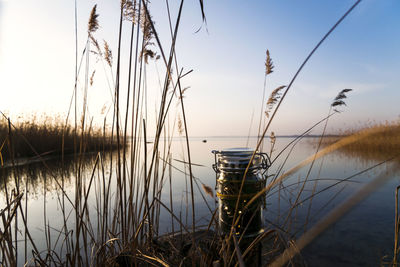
[(91, 77), (269, 65), (383, 143), (96, 44), (93, 23), (273, 99), (148, 53), (147, 30), (208, 190), (129, 10), (108, 54), (338, 101)]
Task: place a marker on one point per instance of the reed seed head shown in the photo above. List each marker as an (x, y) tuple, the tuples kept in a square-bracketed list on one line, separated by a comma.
[(207, 190), (338, 101), (96, 44), (93, 23), (108, 54), (91, 77), (269, 65), (129, 10), (147, 30), (148, 53), (273, 99), (183, 92), (148, 34)]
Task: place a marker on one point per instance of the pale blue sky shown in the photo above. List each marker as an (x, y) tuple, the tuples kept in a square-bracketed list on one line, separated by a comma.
[(37, 60)]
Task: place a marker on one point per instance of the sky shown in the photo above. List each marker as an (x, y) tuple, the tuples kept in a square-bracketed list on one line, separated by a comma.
[(227, 54)]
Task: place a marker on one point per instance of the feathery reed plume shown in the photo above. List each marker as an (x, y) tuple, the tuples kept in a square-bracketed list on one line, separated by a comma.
[(207, 190), (338, 101), (108, 54), (183, 91), (129, 10), (148, 53), (93, 23), (147, 30), (91, 77), (273, 98), (96, 44), (146, 27), (269, 65)]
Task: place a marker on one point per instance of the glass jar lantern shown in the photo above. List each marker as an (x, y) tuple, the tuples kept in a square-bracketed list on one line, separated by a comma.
[(230, 167)]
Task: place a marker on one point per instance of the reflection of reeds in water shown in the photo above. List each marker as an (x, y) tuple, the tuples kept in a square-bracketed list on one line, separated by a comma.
[(37, 178)]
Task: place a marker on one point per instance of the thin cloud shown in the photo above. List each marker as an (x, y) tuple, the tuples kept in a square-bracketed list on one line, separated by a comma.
[(330, 91)]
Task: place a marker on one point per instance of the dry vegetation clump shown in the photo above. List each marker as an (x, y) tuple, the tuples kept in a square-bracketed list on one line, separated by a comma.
[(47, 136), (384, 142)]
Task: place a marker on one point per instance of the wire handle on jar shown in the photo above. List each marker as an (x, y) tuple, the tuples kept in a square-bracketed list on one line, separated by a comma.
[(265, 163)]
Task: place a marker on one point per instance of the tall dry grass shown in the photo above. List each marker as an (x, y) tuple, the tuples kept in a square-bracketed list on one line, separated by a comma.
[(112, 217), (385, 142), (46, 136), (113, 214)]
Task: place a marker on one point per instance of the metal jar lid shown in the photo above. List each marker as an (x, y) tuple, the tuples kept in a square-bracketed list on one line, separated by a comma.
[(237, 159)]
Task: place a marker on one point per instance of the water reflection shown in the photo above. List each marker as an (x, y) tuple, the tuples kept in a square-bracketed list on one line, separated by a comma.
[(359, 238), (39, 176)]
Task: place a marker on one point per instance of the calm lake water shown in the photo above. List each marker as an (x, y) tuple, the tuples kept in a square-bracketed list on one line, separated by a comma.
[(363, 237)]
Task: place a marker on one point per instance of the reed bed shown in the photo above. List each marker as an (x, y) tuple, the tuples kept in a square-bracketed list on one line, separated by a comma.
[(383, 143), (47, 136)]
